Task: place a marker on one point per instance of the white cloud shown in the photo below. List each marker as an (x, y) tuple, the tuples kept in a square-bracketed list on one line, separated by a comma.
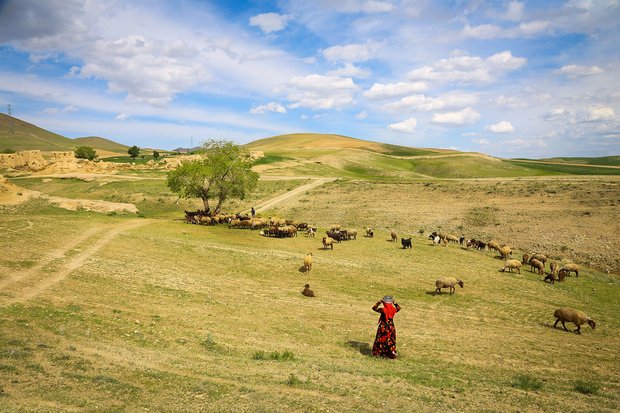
[(500, 127), (122, 116), (491, 31), (320, 92), (481, 141), (556, 114), (512, 102), (350, 70), (389, 90), (425, 103), (469, 69), (407, 125), (573, 71), (354, 52), (361, 115), (465, 116), (483, 31), (270, 22), (269, 107), (514, 11), (56, 111), (361, 6), (598, 113)]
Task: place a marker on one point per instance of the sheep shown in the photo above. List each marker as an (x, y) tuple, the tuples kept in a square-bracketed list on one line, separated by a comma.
[(351, 233), (553, 267), (571, 267), (534, 263), (452, 238), (406, 242), (576, 317), (436, 240), (461, 240), (335, 227), (505, 251), (394, 236), (307, 291), (308, 262), (311, 232), (369, 233), (550, 277), (540, 257), (512, 265), (447, 282), (328, 241), (526, 258), (493, 245), (562, 273)]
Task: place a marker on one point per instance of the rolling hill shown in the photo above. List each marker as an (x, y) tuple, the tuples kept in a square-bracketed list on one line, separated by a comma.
[(101, 143)]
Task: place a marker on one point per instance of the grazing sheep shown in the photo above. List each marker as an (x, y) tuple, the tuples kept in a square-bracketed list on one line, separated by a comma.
[(493, 245), (406, 242), (308, 262), (436, 240), (550, 277), (526, 258), (447, 282), (452, 238), (369, 233), (512, 265), (540, 257), (562, 274), (335, 227), (394, 236), (574, 316), (461, 240), (553, 267), (328, 241), (505, 251), (351, 233), (307, 291), (534, 263), (311, 232), (571, 267)]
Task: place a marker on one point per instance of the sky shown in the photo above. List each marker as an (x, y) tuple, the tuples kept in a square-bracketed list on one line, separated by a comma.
[(507, 78)]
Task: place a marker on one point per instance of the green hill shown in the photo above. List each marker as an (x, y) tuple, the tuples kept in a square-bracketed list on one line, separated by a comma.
[(17, 135), (101, 143)]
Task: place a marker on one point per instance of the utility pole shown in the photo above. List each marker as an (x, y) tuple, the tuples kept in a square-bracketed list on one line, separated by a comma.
[(11, 126)]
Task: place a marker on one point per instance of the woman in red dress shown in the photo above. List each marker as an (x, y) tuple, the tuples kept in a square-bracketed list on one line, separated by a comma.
[(385, 341)]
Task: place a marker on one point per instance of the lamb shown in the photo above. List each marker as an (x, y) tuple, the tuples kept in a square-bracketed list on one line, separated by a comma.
[(505, 251), (562, 274), (526, 258), (447, 282), (436, 240), (369, 233), (310, 232), (307, 291), (550, 277), (308, 262), (406, 242), (511, 265), (571, 267), (534, 263), (394, 236), (574, 316), (328, 241), (461, 240)]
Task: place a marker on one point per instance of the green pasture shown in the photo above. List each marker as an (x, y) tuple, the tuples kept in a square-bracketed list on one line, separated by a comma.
[(176, 317)]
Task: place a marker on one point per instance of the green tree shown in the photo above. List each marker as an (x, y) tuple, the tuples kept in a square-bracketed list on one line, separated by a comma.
[(134, 151), (85, 152), (225, 171), (155, 155)]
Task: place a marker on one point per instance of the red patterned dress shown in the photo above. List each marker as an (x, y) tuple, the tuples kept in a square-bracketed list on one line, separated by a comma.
[(385, 341)]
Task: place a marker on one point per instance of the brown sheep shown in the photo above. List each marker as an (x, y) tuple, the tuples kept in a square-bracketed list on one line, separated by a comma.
[(505, 251), (526, 259), (540, 257), (307, 291), (512, 264), (447, 282), (308, 262), (571, 267), (574, 316), (534, 263), (328, 241), (493, 245), (394, 236), (562, 274), (553, 267)]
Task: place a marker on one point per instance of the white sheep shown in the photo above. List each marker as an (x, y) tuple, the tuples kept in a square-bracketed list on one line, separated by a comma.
[(447, 282), (512, 265), (574, 316), (571, 267)]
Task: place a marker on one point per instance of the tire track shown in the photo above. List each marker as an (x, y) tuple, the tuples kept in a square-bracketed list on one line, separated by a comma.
[(74, 262), (278, 199)]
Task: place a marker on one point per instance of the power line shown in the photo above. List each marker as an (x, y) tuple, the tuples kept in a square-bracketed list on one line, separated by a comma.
[(11, 126)]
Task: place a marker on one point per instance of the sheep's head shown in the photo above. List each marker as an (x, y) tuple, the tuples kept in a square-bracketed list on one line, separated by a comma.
[(307, 286), (459, 282), (592, 323)]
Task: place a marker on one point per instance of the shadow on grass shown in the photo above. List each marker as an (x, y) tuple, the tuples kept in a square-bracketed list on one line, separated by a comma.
[(438, 293), (364, 348), (303, 269)]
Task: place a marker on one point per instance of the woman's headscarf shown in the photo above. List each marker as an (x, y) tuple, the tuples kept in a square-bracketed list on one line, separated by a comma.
[(389, 310)]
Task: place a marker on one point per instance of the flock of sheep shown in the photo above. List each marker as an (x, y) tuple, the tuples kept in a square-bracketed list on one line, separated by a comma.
[(281, 228)]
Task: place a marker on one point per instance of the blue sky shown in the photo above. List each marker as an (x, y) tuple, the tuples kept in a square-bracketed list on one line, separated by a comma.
[(507, 78)]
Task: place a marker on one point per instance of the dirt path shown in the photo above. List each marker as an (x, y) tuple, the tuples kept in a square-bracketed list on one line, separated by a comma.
[(297, 191), (90, 246)]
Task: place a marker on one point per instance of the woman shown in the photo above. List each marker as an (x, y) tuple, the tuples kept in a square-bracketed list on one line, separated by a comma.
[(385, 341)]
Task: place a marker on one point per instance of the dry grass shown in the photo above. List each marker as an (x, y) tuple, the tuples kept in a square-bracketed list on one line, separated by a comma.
[(169, 317)]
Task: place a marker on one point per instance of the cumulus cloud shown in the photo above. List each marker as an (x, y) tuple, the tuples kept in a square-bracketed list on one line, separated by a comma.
[(469, 69), (350, 70), (270, 22), (269, 107), (500, 127), (390, 90), (361, 6), (320, 92), (556, 114), (407, 125), (514, 11), (491, 31), (354, 52), (598, 113), (425, 103), (122, 116), (573, 71), (462, 117)]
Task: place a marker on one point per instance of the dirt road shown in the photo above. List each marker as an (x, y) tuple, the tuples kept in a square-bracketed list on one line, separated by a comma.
[(297, 191)]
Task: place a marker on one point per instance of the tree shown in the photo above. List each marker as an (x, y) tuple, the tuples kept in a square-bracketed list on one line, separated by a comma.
[(155, 155), (224, 172), (85, 152), (134, 151)]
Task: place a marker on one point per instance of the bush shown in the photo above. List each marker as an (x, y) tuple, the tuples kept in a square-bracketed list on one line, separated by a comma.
[(586, 387), (85, 152), (274, 355), (526, 382)]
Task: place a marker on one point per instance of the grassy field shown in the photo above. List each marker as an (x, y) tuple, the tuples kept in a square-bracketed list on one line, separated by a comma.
[(118, 313)]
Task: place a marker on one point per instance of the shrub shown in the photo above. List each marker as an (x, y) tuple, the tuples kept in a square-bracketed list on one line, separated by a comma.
[(586, 387), (294, 381), (85, 152), (527, 382), (274, 355)]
